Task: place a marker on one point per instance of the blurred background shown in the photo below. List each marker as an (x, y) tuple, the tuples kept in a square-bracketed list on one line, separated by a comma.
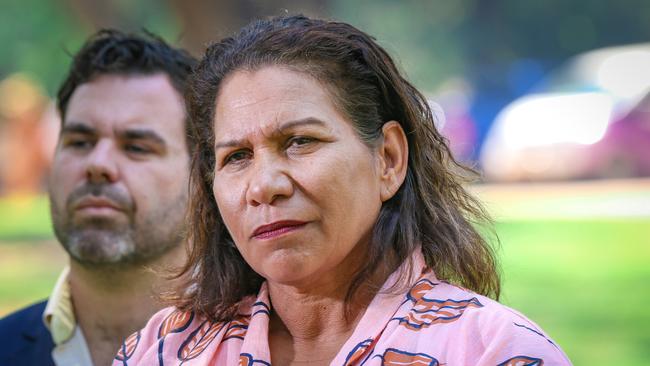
[(548, 100)]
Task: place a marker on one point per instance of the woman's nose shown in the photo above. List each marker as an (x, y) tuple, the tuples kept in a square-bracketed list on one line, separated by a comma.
[(269, 182)]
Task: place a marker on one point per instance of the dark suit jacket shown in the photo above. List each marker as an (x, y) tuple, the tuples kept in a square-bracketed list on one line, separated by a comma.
[(24, 340)]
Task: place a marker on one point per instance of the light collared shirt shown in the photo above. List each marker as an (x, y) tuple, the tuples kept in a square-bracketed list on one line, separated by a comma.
[(70, 348)]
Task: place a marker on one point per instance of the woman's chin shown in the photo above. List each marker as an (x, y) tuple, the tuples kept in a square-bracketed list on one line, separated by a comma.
[(286, 275), (286, 265)]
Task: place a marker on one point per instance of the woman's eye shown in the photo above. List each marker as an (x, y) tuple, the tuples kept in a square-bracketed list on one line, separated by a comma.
[(298, 141), (236, 157)]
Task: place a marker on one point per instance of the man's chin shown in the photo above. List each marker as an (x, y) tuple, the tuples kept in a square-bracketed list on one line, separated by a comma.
[(93, 257), (100, 249)]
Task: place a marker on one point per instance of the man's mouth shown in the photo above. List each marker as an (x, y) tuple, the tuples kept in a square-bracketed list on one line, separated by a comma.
[(96, 204)]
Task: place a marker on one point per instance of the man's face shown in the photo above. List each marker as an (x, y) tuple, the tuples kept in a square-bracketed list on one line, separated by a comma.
[(118, 186)]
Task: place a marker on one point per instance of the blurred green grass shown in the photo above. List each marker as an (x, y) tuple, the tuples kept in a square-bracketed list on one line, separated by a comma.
[(28, 272), (584, 281), (25, 217)]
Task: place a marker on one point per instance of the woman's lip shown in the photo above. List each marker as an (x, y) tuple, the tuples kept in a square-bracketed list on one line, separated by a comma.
[(277, 228)]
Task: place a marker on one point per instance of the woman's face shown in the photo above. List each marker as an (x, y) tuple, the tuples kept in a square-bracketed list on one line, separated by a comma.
[(297, 189)]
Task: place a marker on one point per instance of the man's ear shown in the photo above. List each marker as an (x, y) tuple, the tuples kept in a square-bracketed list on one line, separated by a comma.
[(393, 155)]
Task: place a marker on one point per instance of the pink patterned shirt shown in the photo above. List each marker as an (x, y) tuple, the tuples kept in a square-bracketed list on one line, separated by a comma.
[(434, 323)]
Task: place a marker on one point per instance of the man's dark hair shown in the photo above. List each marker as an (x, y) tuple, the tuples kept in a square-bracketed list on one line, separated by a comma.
[(431, 212), (111, 51)]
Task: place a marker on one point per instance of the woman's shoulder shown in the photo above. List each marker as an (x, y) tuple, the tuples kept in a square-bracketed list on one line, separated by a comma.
[(465, 323), (141, 346), (175, 334), (430, 302)]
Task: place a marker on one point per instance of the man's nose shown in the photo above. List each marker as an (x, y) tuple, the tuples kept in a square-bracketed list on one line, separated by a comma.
[(101, 165), (269, 182)]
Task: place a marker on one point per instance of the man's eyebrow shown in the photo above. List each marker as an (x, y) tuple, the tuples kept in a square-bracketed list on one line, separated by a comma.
[(142, 134), (280, 130), (78, 127)]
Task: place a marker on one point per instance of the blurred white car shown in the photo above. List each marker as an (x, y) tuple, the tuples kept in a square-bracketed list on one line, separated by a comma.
[(591, 120)]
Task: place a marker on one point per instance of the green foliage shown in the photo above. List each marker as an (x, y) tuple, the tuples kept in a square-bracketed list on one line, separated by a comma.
[(35, 35), (38, 36), (437, 39), (422, 36)]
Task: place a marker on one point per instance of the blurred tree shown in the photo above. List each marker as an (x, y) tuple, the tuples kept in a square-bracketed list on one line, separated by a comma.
[(433, 39), (153, 15), (199, 21), (34, 34), (423, 36), (204, 21)]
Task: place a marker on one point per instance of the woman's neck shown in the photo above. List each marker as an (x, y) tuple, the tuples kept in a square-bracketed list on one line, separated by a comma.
[(306, 328), (309, 326)]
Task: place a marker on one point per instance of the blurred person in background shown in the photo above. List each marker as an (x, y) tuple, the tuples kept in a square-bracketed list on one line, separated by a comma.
[(24, 153), (118, 196), (329, 222)]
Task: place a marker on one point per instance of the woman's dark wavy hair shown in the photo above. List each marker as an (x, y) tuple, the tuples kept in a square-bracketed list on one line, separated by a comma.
[(431, 210)]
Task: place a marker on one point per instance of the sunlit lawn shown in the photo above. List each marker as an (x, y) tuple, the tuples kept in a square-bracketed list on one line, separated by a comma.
[(28, 271), (586, 282)]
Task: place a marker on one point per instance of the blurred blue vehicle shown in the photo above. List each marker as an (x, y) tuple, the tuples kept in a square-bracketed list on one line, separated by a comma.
[(589, 119)]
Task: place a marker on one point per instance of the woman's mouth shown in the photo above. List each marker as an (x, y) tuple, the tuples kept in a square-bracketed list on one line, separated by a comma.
[(276, 229)]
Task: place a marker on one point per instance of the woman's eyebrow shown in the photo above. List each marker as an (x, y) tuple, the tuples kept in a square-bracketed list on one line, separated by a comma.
[(300, 122), (228, 143), (281, 129)]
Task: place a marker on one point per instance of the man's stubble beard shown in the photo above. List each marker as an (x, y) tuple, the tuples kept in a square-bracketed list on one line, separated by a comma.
[(104, 243)]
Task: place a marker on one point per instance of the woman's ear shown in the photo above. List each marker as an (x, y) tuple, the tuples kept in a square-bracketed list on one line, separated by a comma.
[(394, 154)]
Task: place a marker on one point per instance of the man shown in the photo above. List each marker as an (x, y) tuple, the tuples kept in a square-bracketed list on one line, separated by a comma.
[(118, 196)]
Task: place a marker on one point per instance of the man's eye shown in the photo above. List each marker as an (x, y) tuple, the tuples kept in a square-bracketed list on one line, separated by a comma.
[(136, 149), (78, 143)]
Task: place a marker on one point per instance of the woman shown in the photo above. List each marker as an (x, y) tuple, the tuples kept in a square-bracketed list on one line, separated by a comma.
[(329, 220)]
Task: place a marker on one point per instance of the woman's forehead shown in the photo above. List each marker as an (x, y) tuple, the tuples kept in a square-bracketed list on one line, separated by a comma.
[(244, 87), (268, 98)]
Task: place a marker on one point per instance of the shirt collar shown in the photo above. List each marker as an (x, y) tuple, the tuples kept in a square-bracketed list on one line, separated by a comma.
[(59, 312)]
